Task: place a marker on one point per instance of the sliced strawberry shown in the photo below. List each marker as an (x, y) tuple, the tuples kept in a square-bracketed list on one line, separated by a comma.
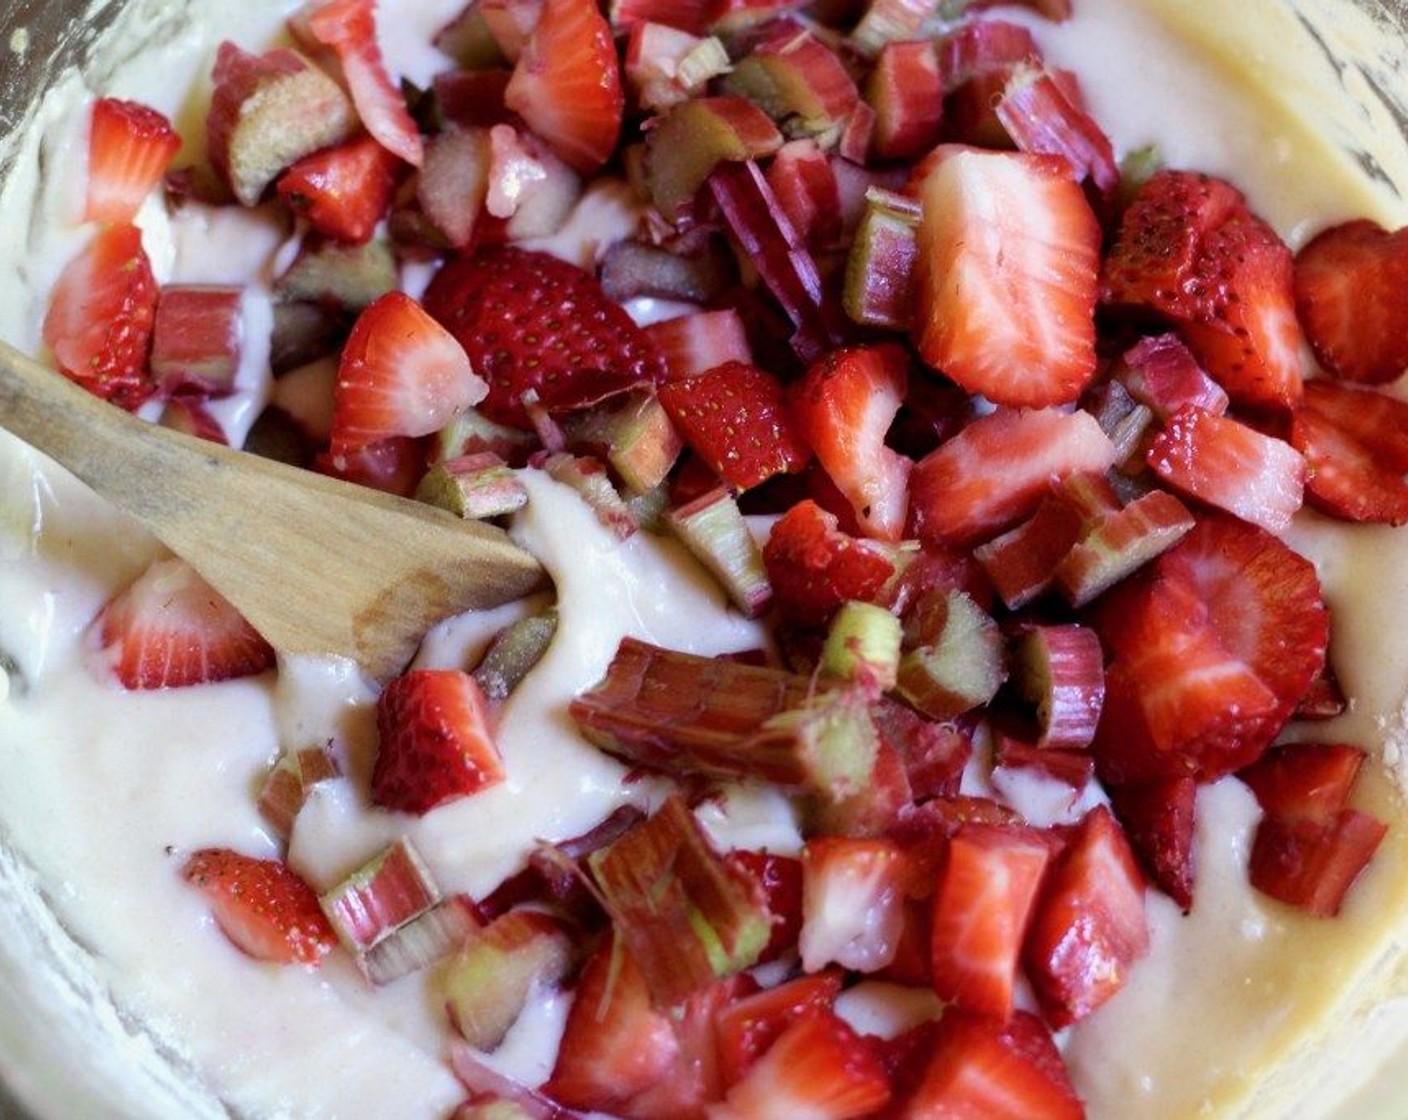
[(533, 322), (130, 147), (1211, 647), (1089, 927), (749, 1026), (1225, 463), (735, 418), (1158, 819), (400, 374), (1304, 780), (1311, 864), (1353, 443), (435, 742), (844, 407), (1009, 252), (974, 1067), (101, 314), (1349, 284), (170, 629), (982, 905), (567, 84), (814, 567), (262, 906), (853, 893), (817, 1068), (349, 28), (342, 191), (996, 471)]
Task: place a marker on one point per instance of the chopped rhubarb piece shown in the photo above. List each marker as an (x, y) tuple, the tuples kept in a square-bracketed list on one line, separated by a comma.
[(341, 275), (1022, 562), (566, 84), (996, 471), (1060, 670), (905, 89), (818, 1067), (508, 308), (1348, 281), (265, 909), (1005, 283), (467, 40), (1123, 419), (479, 485), (1158, 819), (799, 82), (170, 629), (688, 917), (435, 741), (844, 407), (1304, 780), (266, 113), (589, 478), (1354, 452), (934, 754), (472, 433), (349, 28), (853, 892), (862, 786), (735, 418), (513, 652), (427, 938), (814, 567), (393, 466), (631, 269), (634, 435), (289, 781), (688, 142), (982, 47), (666, 66), (130, 147), (1229, 465), (100, 317), (701, 340), (999, 1071), (863, 646), (489, 981), (879, 284), (401, 374), (471, 99), (342, 191), (383, 894), (1039, 114), (803, 179), (196, 335), (983, 903), (1120, 544), (529, 185), (714, 530), (956, 661), (1162, 373), (691, 16), (781, 880), (1311, 864), (189, 412), (1089, 928), (749, 1026), (454, 183)]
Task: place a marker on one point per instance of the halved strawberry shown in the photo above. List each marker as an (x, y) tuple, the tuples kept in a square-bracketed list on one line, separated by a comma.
[(844, 407), (1089, 927), (101, 314), (1349, 284), (531, 322), (262, 906), (400, 374), (349, 28), (1158, 818), (853, 892), (814, 567), (435, 742), (342, 191), (170, 629), (566, 84), (1311, 864), (1304, 780), (1355, 451), (748, 1026), (130, 147), (735, 417), (1005, 288)]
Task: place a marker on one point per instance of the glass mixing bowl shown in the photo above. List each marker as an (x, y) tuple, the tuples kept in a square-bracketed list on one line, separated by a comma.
[(65, 1049)]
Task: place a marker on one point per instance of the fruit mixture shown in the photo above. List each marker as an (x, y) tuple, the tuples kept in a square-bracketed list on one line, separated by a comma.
[(996, 429)]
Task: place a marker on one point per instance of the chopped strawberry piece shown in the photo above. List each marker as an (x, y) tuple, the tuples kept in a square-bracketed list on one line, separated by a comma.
[(1353, 445), (130, 147), (736, 419), (567, 84), (983, 903), (190, 413), (342, 191), (1009, 251), (1304, 780), (781, 880), (400, 374), (853, 892), (817, 1068), (435, 743), (263, 907), (1069, 767), (531, 322), (844, 407), (1089, 928), (1211, 647), (1349, 283), (1225, 463), (996, 471), (393, 466), (170, 629), (1312, 864), (701, 340), (749, 1026), (1158, 819), (814, 567), (980, 1068), (101, 314), (349, 28)]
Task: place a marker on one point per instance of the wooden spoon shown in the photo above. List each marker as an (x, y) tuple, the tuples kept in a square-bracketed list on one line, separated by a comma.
[(316, 564)]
